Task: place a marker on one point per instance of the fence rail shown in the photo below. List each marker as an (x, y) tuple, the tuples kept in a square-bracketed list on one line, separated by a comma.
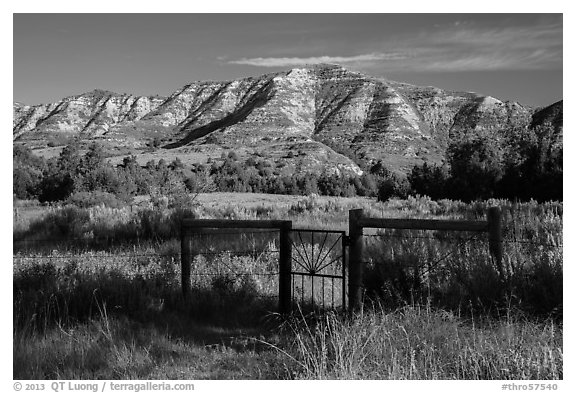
[(357, 222), (190, 224), (434, 225)]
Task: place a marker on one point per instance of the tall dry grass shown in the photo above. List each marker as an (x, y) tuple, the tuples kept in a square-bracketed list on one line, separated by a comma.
[(113, 310), (418, 342), (120, 314)]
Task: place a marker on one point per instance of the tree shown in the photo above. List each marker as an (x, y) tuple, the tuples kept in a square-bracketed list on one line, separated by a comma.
[(393, 186), (141, 178), (69, 159), (476, 166), (429, 180), (534, 165), (55, 186), (93, 158), (27, 172), (308, 184), (25, 181), (380, 170), (61, 176), (366, 185)]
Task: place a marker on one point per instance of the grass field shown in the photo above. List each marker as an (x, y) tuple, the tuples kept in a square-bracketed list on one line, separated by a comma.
[(113, 310)]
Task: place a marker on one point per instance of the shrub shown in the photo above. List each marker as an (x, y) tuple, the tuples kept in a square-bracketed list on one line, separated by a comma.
[(429, 180), (393, 186), (95, 198), (25, 181), (476, 167), (69, 221)]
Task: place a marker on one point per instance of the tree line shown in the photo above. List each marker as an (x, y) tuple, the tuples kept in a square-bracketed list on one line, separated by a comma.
[(84, 177), (525, 164), (522, 164)]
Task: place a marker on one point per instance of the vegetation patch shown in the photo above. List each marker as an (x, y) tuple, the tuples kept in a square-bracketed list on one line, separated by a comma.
[(87, 309)]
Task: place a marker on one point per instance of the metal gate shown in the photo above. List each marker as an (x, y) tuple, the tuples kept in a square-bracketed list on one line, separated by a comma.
[(318, 272)]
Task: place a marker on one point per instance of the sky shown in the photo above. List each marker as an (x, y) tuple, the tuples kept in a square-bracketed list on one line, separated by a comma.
[(509, 56)]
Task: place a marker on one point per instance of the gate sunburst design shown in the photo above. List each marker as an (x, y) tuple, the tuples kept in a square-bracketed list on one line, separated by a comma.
[(318, 268)]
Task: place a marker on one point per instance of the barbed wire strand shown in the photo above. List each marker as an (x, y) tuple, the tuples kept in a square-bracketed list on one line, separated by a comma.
[(132, 255), (215, 232), (237, 274), (454, 240), (205, 232), (433, 264)]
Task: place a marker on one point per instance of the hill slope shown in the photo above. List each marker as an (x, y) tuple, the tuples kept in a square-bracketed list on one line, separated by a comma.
[(313, 118)]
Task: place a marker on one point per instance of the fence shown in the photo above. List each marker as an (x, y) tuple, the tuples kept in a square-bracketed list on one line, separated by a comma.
[(355, 241), (357, 222), (301, 253), (191, 227)]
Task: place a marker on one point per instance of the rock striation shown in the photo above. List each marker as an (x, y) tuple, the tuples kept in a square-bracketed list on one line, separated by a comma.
[(304, 109)]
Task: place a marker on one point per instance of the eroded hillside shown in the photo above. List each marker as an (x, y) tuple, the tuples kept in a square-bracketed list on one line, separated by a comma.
[(321, 117)]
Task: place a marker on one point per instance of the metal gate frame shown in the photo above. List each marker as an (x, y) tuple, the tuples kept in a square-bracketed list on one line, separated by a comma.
[(312, 265)]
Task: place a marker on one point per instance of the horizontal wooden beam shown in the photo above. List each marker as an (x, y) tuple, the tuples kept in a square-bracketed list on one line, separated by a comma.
[(434, 225), (255, 224)]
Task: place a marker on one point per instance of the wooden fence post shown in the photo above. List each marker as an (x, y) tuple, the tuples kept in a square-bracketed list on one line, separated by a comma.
[(185, 259), (355, 266), (495, 238), (285, 262)]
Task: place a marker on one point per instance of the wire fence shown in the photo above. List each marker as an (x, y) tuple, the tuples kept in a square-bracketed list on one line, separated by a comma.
[(403, 265), (233, 261), (206, 248), (412, 249), (408, 249), (452, 237), (439, 236), (228, 263)]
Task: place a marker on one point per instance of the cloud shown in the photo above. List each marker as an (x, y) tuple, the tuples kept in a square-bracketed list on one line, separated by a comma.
[(515, 36), (295, 61), (474, 48), (455, 47), (537, 60)]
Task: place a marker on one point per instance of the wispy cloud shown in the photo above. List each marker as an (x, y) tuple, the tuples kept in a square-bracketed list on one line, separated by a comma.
[(537, 59), (295, 61), (509, 48), (458, 46)]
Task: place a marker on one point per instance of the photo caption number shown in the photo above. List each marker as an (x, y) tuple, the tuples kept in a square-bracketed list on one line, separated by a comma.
[(549, 386), (530, 386)]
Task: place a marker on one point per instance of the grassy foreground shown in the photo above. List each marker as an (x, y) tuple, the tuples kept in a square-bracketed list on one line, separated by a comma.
[(116, 312), (412, 343), (417, 342)]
